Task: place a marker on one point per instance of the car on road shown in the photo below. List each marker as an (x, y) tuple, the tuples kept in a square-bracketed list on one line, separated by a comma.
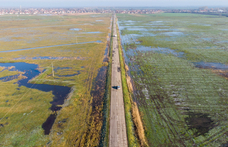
[(118, 69), (116, 87)]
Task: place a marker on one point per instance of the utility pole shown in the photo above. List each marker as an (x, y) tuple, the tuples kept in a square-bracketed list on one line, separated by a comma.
[(52, 69), (76, 39)]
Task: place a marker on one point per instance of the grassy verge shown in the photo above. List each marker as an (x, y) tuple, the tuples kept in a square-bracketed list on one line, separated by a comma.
[(132, 140), (106, 112)]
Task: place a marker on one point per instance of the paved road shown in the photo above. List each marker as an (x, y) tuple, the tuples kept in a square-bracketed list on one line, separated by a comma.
[(118, 135)]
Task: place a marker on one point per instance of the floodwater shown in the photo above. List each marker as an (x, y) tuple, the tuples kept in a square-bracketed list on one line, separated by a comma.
[(31, 71), (75, 29), (98, 41), (172, 33), (198, 110), (207, 47), (219, 68), (211, 65), (133, 52), (201, 24), (50, 58), (9, 78)]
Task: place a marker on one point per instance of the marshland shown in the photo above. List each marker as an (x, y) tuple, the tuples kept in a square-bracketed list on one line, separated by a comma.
[(178, 68), (53, 79)]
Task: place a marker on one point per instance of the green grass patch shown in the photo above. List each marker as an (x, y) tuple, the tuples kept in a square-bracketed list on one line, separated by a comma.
[(132, 141), (173, 95)]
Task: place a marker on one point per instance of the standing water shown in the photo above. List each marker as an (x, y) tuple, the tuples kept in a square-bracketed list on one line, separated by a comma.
[(30, 71)]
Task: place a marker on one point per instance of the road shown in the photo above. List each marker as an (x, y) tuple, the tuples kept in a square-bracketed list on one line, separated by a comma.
[(118, 135)]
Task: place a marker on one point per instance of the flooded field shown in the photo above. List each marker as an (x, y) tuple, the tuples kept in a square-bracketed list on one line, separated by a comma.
[(179, 67), (52, 79)]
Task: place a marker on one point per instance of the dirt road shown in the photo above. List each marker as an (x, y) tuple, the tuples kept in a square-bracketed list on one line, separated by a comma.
[(118, 135)]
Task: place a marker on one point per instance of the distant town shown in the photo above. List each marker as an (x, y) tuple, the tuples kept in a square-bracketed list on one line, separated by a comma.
[(72, 11)]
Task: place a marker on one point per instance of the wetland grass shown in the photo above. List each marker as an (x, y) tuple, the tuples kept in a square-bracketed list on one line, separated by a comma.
[(22, 126), (180, 104)]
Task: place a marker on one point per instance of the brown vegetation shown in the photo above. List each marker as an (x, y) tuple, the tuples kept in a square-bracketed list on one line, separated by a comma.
[(139, 125), (126, 67), (223, 73), (129, 84)]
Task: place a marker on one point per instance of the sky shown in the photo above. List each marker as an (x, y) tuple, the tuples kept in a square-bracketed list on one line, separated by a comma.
[(113, 3)]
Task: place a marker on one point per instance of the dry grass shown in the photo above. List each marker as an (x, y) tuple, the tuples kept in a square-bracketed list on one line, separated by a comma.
[(223, 73), (72, 127), (1, 68), (126, 67), (129, 84), (139, 125)]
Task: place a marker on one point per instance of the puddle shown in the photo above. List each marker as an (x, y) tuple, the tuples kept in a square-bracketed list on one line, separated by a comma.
[(211, 65), (199, 123), (156, 23), (59, 92), (47, 125), (172, 33), (50, 58), (9, 78), (207, 47), (206, 39), (163, 30), (201, 24), (46, 57), (144, 28), (129, 21), (218, 68), (224, 41), (157, 50), (78, 72), (75, 29), (137, 29), (98, 41)]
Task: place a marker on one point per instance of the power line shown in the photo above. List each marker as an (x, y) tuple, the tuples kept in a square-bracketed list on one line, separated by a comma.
[(19, 100)]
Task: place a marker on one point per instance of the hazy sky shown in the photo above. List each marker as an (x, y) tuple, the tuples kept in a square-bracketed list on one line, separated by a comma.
[(112, 3)]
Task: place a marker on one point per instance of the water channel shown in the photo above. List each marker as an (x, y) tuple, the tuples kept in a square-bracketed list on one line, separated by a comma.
[(31, 71)]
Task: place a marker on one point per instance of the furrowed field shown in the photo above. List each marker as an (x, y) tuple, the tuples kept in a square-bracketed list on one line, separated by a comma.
[(179, 68), (52, 79)]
